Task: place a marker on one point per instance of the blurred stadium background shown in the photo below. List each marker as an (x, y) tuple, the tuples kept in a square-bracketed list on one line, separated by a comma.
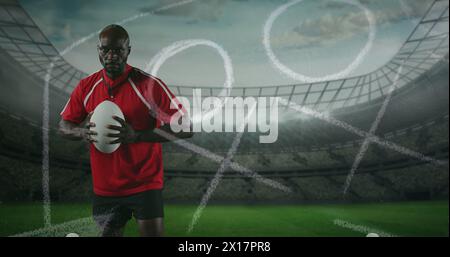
[(390, 191)]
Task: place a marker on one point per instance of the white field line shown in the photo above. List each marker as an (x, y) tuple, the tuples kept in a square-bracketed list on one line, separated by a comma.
[(373, 128), (361, 228), (223, 167)]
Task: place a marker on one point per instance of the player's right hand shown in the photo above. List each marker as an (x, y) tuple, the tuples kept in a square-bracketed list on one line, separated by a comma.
[(86, 132)]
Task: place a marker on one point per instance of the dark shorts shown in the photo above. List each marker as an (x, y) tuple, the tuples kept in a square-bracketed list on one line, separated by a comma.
[(117, 211)]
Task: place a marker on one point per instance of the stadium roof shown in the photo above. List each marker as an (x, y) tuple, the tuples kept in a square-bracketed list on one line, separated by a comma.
[(23, 40)]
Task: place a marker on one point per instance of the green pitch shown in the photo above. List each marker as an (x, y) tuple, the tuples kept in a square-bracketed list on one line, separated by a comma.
[(427, 218)]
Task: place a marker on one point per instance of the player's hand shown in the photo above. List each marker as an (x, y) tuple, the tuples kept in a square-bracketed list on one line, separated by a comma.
[(125, 133), (85, 130)]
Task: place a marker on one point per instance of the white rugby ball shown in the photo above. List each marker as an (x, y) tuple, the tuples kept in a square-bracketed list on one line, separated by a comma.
[(102, 117)]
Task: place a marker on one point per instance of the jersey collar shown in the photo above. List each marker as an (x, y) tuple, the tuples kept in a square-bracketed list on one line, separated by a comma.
[(118, 80)]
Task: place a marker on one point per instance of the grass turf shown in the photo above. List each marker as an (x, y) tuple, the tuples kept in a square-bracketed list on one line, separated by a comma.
[(425, 218)]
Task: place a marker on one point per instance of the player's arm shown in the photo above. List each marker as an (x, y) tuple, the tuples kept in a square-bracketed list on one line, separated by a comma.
[(74, 123), (74, 131), (126, 134), (164, 134)]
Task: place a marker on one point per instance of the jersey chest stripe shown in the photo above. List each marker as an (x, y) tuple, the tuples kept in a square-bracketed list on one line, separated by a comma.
[(173, 100), (139, 95), (90, 92)]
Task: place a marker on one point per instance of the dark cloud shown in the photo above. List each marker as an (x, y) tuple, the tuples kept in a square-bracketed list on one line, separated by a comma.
[(339, 23), (202, 10), (386, 10)]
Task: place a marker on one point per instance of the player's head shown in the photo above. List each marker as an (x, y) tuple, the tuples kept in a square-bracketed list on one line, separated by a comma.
[(113, 49)]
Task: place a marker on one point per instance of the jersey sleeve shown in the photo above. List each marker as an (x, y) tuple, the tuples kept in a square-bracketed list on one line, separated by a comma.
[(167, 103), (74, 110)]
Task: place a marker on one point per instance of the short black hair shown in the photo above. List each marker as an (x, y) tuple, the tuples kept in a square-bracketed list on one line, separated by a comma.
[(119, 31)]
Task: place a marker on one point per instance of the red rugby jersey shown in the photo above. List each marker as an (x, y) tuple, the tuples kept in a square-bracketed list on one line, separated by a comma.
[(135, 167)]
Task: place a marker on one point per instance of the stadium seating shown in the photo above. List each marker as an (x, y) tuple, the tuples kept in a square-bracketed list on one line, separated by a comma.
[(188, 174)]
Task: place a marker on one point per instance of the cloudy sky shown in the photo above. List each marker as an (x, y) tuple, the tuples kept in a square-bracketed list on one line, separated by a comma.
[(314, 37)]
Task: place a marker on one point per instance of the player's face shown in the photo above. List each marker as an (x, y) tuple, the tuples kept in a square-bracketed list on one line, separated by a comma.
[(113, 53)]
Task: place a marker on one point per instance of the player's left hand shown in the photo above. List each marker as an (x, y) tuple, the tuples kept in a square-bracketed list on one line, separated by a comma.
[(126, 134)]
